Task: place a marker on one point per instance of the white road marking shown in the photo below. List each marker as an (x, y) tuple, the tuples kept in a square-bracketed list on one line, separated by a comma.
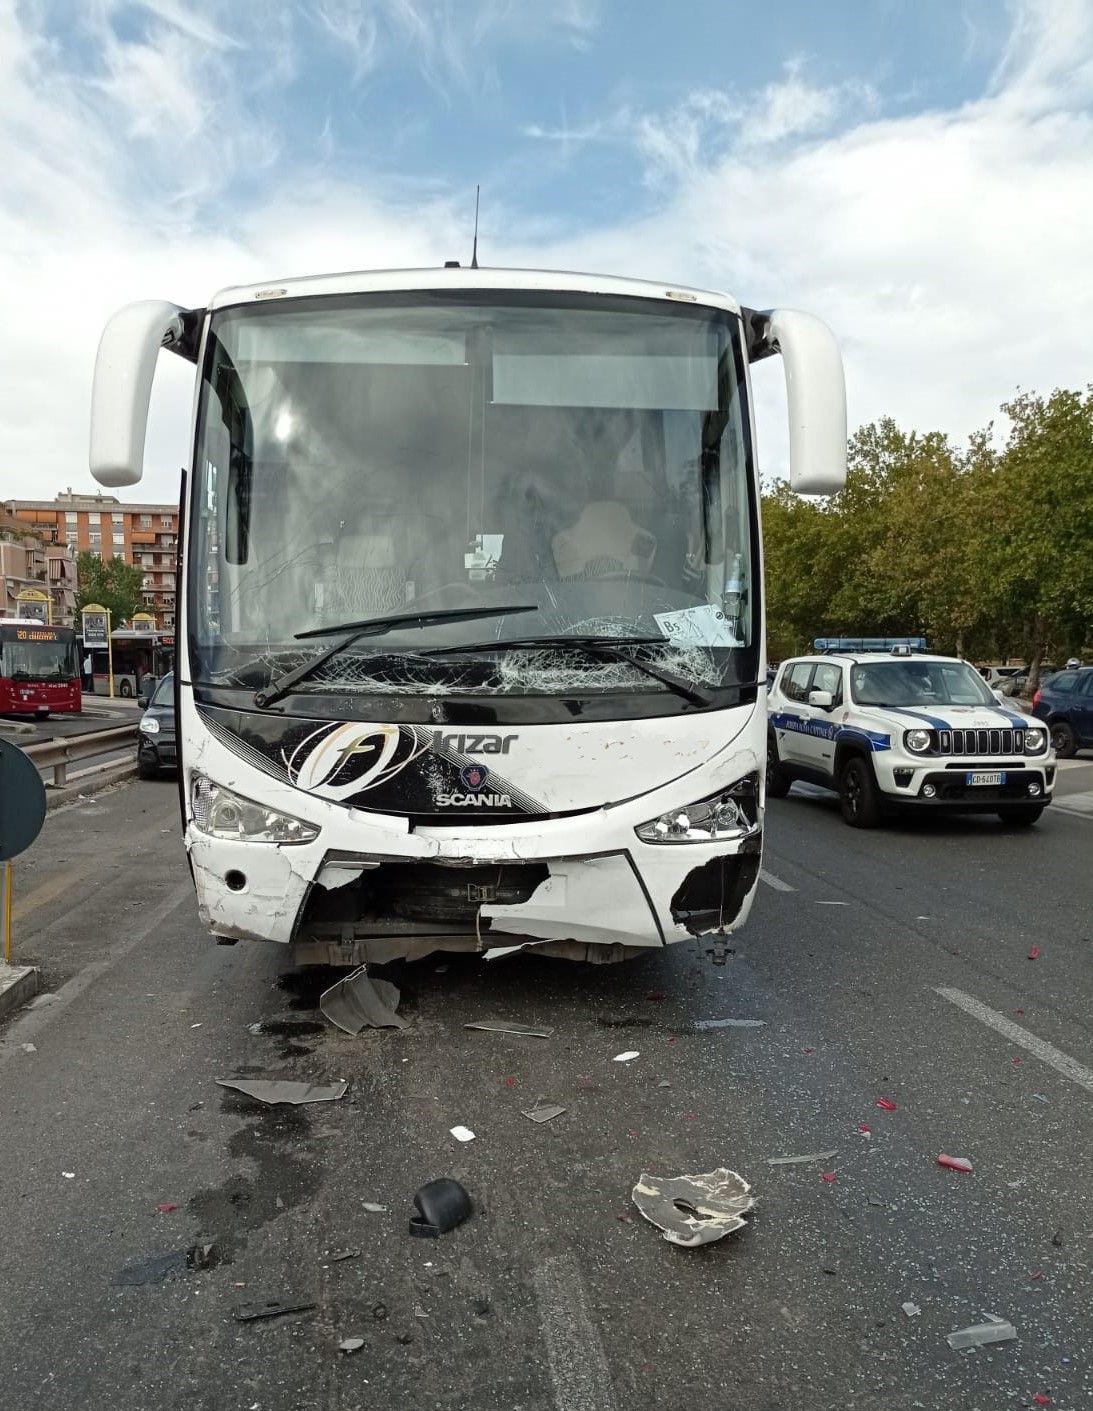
[(775, 882), (1039, 1048), (1080, 805), (578, 1364)]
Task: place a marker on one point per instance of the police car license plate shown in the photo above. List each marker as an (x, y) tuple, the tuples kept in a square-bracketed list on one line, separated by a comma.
[(985, 776)]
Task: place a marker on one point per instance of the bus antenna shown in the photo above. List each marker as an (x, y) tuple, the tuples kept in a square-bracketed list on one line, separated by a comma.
[(474, 250)]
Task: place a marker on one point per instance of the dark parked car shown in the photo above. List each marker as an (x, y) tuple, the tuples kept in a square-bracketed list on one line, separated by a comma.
[(1065, 701), (156, 748)]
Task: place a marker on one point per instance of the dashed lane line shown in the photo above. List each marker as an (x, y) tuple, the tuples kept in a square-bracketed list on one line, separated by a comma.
[(775, 882), (575, 1355), (1039, 1048)]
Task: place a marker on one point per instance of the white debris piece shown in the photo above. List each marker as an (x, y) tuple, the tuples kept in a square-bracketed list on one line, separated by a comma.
[(694, 1210), (462, 1134), (979, 1334), (627, 1057)]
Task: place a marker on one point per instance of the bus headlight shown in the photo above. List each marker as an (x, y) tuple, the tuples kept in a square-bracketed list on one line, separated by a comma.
[(224, 814), (1035, 740), (149, 725), (918, 741), (730, 813)]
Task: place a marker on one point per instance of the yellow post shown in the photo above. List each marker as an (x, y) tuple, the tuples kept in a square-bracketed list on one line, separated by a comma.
[(109, 654), (7, 913)]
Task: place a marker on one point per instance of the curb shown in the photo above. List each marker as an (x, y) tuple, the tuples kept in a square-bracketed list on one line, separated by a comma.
[(18, 985), (89, 784)]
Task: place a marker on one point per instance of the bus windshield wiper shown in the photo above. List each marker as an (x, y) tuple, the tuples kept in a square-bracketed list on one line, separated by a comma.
[(372, 627), (610, 647)]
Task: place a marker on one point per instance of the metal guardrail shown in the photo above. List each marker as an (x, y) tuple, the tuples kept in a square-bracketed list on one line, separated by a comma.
[(59, 754)]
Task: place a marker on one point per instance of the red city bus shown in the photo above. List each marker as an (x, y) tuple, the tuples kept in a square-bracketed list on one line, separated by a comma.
[(39, 671)]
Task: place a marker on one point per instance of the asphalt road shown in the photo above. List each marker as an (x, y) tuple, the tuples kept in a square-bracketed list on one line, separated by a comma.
[(885, 964)]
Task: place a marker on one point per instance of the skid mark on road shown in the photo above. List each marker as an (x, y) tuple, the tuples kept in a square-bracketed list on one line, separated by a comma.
[(775, 882), (578, 1364), (1039, 1048)]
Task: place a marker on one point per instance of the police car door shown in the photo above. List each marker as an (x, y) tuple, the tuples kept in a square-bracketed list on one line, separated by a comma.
[(817, 743), (791, 721)]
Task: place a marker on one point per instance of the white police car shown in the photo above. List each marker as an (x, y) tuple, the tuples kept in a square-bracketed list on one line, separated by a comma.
[(895, 728)]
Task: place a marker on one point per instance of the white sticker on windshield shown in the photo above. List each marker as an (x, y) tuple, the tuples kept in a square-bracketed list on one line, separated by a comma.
[(705, 626)]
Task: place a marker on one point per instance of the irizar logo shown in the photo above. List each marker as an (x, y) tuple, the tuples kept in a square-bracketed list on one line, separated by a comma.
[(349, 759), (472, 744)]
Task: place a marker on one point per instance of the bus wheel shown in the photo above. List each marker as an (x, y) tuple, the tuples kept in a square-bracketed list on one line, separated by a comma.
[(125, 689)]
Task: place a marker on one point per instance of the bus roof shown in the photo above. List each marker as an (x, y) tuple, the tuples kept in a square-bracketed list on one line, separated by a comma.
[(463, 278)]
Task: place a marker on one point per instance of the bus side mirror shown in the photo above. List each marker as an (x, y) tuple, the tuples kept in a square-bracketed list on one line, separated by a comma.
[(816, 394), (122, 387)]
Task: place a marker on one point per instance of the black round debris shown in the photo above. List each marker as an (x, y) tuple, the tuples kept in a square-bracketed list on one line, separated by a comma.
[(441, 1205)]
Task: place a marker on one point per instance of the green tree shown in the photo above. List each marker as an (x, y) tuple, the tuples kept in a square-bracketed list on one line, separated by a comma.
[(1041, 550), (112, 582)]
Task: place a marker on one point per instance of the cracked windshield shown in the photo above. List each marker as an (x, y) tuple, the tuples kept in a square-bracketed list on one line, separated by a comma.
[(369, 458)]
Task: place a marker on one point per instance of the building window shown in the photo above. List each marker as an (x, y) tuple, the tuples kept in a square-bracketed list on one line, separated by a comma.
[(146, 521), (166, 521)]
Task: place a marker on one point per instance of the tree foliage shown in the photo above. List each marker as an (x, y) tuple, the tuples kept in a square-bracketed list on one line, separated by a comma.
[(112, 582), (986, 552)]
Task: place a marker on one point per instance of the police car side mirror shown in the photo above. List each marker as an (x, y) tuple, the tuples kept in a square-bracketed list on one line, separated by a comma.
[(998, 696), (822, 699)]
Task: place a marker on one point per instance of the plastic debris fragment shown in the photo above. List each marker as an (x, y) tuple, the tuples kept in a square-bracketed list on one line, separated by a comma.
[(502, 1026), (350, 1344), (544, 1112), (828, 1176), (462, 1134), (166, 1208), (980, 1334), (1034, 953), (1036, 1275), (955, 1163), (358, 1002), (273, 1091), (694, 1210), (372, 1208), (800, 1160), (339, 1256), (886, 1104), (865, 1129), (911, 1309), (29, 1048), (1041, 1400), (270, 1308), (730, 1024), (627, 1057)]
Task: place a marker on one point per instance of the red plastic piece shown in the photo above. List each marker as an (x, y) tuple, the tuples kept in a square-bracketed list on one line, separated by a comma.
[(886, 1104), (864, 1127), (166, 1208), (827, 1176), (510, 1082), (1034, 952), (955, 1163), (1042, 1400), (1017, 1058), (1036, 1275)]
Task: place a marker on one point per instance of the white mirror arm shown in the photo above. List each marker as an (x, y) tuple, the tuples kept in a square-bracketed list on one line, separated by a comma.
[(122, 387)]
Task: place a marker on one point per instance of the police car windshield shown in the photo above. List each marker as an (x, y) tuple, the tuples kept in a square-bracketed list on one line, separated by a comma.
[(918, 683)]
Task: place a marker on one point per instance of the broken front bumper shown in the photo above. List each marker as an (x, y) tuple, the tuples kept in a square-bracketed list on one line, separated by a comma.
[(369, 888)]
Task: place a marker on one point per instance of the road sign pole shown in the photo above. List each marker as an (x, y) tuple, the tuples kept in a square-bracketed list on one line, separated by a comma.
[(7, 913), (109, 653)]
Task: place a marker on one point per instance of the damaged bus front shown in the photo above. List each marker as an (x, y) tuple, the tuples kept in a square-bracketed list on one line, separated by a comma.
[(471, 631)]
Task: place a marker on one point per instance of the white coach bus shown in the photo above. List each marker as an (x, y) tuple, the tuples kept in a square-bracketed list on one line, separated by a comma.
[(471, 623)]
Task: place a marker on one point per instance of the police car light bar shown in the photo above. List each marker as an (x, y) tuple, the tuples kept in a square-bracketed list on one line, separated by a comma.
[(902, 645)]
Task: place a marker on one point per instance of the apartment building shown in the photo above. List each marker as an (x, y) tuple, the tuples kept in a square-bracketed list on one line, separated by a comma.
[(27, 561), (143, 535)]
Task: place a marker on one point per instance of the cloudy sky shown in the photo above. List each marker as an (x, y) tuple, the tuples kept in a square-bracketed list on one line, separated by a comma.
[(918, 174)]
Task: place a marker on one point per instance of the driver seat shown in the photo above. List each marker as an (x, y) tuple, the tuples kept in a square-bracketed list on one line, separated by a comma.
[(604, 540)]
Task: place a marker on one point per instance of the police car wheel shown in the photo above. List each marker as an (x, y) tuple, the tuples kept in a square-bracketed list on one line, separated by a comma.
[(777, 783), (858, 794), (1023, 817)]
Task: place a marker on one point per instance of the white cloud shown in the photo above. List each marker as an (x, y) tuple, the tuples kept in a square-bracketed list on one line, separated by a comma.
[(948, 249)]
